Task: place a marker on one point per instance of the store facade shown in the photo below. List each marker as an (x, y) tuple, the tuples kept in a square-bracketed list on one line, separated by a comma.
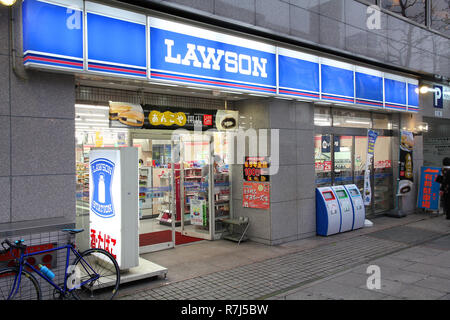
[(303, 112)]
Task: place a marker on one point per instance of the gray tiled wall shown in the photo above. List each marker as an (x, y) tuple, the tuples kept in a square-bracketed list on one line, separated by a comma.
[(37, 145), (336, 24), (292, 206)]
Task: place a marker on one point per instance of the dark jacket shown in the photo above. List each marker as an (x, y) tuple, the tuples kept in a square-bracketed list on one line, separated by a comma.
[(444, 180)]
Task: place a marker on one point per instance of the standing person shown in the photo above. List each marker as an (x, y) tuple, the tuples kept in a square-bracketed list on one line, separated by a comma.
[(444, 180)]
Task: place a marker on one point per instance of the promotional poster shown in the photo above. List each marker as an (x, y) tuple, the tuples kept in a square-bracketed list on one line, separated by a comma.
[(406, 162)]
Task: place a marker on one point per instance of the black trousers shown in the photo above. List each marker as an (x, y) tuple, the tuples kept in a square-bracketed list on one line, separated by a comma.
[(446, 205)]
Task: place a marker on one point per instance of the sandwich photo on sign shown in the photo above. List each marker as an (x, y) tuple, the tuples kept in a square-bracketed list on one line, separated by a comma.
[(123, 114)]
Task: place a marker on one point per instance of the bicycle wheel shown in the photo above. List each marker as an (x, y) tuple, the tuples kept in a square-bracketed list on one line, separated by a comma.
[(29, 288), (97, 263)]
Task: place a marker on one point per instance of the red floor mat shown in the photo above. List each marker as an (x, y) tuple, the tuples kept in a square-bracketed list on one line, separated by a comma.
[(148, 239)]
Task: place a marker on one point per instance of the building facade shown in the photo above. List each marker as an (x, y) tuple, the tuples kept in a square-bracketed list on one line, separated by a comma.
[(42, 96)]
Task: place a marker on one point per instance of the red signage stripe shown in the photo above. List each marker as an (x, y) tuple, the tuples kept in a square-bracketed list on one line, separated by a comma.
[(79, 64), (116, 69)]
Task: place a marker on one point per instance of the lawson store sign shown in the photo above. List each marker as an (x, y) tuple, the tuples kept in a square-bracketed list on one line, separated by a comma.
[(85, 37)]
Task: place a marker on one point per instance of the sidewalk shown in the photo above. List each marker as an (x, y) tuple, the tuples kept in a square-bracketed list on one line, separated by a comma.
[(304, 269)]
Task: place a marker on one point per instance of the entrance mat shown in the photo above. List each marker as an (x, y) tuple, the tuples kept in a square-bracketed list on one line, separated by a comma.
[(147, 239), (405, 234)]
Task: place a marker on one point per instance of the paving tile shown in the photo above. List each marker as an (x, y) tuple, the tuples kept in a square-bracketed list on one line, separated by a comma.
[(413, 292), (429, 270), (339, 291)]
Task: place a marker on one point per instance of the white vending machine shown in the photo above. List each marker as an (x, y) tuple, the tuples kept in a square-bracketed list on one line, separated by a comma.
[(345, 204), (328, 215), (114, 203), (358, 206)]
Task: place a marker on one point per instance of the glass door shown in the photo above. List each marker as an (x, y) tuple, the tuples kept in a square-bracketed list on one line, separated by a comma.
[(157, 203), (383, 189), (343, 164), (195, 177)]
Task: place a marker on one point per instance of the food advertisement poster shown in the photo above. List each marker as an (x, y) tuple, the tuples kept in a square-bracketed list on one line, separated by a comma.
[(256, 195), (197, 212), (256, 169), (406, 162)]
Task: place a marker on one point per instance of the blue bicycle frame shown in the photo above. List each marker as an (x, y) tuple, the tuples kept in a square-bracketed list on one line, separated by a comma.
[(64, 290)]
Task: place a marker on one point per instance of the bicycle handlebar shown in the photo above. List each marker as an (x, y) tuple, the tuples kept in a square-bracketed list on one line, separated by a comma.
[(5, 250), (17, 245)]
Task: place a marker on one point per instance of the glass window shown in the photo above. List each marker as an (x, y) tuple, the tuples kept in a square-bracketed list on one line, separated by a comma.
[(411, 9), (351, 118), (322, 117), (381, 121), (322, 154), (440, 16), (360, 161)]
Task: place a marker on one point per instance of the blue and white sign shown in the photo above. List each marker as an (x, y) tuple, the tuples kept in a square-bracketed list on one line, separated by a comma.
[(102, 174), (199, 56), (79, 36), (438, 96), (114, 203), (53, 34), (116, 41), (298, 74)]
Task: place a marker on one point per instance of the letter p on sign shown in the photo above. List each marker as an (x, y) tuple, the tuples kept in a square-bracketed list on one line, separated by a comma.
[(438, 97)]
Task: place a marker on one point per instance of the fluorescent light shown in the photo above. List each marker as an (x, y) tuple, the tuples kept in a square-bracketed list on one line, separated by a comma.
[(88, 106), (232, 92), (284, 98), (7, 2), (84, 114), (197, 88), (256, 95), (357, 122), (96, 120), (165, 84)]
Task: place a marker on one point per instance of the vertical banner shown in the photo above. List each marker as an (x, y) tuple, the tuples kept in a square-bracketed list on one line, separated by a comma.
[(406, 162), (371, 139), (429, 188)]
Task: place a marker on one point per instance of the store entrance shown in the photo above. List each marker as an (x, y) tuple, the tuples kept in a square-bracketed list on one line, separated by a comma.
[(184, 187), (156, 190)]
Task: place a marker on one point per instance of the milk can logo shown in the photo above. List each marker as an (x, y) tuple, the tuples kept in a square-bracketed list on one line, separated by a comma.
[(102, 174)]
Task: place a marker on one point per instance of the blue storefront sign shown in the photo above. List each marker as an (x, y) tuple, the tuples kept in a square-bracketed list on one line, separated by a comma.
[(85, 37), (102, 173), (429, 188), (210, 59)]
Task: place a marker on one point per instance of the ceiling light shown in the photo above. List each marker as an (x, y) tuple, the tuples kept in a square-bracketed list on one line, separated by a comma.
[(8, 3), (90, 114), (88, 106)]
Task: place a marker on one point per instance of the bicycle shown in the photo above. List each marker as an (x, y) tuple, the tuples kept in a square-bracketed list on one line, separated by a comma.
[(94, 274)]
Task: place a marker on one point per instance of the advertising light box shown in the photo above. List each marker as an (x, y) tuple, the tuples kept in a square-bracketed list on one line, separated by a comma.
[(114, 204), (77, 36), (200, 56), (53, 34)]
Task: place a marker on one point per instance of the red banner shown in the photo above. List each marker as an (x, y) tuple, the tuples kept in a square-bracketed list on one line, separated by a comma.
[(256, 195)]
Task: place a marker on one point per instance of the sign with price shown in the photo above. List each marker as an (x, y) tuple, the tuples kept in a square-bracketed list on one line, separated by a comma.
[(256, 169), (256, 195)]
